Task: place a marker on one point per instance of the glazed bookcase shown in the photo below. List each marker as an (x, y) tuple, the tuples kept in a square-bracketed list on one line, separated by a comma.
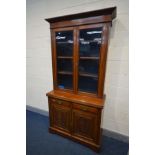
[(79, 51)]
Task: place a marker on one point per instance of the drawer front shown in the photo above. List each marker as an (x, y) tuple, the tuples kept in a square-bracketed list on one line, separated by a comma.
[(59, 102), (85, 108)]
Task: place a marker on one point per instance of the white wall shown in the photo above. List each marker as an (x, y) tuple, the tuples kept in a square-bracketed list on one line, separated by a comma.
[(39, 73)]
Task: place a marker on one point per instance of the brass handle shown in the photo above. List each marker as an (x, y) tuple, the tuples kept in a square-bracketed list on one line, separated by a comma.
[(59, 102), (53, 100), (84, 108)]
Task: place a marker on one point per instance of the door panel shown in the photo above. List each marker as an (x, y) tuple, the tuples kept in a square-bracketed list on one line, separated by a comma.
[(61, 117), (90, 39), (77, 58), (84, 125), (64, 43), (64, 49), (90, 42)]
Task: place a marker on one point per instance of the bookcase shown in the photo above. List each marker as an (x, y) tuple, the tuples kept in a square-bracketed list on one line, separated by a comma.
[(79, 51)]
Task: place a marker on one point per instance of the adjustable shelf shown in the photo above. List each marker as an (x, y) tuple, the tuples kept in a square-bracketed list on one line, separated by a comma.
[(65, 72), (89, 58), (65, 57), (88, 75)]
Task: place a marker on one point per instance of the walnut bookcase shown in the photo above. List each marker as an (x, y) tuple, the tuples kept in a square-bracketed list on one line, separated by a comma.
[(79, 52)]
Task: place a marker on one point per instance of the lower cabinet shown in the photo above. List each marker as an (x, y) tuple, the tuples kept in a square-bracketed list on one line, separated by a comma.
[(79, 122)]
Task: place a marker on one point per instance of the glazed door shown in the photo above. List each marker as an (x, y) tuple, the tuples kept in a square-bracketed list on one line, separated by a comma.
[(84, 125), (63, 58), (89, 47), (79, 55)]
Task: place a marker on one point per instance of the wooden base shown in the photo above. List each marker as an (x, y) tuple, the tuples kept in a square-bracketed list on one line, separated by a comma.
[(76, 120), (93, 146)]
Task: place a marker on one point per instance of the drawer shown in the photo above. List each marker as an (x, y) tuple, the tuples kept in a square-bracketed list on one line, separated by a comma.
[(85, 108), (59, 102)]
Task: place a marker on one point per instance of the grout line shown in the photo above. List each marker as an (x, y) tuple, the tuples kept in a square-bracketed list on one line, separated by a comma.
[(80, 4)]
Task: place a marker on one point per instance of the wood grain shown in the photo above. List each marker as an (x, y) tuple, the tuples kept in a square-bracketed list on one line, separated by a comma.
[(81, 99)]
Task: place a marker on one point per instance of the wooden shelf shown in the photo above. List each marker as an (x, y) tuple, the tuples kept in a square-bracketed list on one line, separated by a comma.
[(70, 57), (90, 41), (89, 58), (88, 74), (80, 73), (64, 57), (65, 72), (64, 42)]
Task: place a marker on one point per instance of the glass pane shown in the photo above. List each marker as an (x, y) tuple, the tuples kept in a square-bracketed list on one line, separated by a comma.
[(65, 81), (89, 52), (64, 65), (88, 66), (64, 49), (64, 43), (88, 84), (90, 42)]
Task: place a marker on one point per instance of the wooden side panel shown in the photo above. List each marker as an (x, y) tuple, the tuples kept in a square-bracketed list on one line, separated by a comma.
[(53, 54), (103, 58), (76, 36)]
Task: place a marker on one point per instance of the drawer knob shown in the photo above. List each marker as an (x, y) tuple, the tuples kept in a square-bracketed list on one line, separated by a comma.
[(53, 100), (59, 102), (84, 108)]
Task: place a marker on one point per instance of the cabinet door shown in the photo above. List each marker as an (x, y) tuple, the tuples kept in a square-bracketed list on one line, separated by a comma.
[(84, 125), (61, 117), (63, 57), (90, 39)]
